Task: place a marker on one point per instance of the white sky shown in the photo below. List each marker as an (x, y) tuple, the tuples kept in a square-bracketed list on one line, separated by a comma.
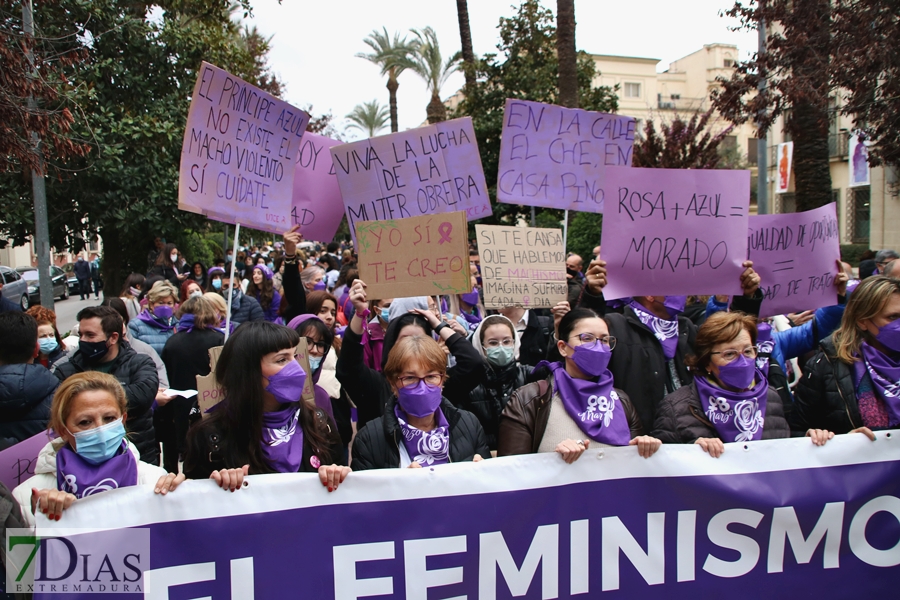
[(315, 42)]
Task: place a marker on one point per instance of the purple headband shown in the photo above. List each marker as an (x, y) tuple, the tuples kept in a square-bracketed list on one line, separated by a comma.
[(266, 271), (214, 270), (296, 321)]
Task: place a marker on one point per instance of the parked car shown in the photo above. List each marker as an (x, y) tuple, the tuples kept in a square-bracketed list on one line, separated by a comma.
[(71, 280), (57, 277), (15, 289)]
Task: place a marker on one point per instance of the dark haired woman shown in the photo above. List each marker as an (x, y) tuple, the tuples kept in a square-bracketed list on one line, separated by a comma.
[(576, 402), (131, 291), (166, 266), (198, 274), (262, 289), (263, 425)]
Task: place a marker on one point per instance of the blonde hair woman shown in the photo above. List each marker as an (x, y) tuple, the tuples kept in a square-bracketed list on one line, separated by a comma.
[(156, 323)]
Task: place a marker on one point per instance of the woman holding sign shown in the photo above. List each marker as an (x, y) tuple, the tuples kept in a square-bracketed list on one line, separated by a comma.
[(263, 425), (575, 403), (853, 382)]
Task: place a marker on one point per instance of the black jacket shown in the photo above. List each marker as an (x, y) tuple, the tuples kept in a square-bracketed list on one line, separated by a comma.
[(167, 273), (293, 297), (377, 445), (489, 399), (137, 374), (825, 397), (535, 339), (82, 269), (681, 418), (26, 393)]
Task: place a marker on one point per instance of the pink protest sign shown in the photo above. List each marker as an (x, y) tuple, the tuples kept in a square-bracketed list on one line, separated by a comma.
[(17, 462), (554, 157), (674, 231), (795, 255), (240, 146), (425, 171), (317, 205)]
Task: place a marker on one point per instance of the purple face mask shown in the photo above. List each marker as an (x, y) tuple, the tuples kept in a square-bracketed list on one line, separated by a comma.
[(675, 305), (470, 298), (592, 360), (738, 373), (287, 384), (319, 286), (420, 400), (163, 311), (889, 336)]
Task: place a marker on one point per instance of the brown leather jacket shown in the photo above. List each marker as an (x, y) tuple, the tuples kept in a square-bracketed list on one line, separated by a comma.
[(524, 420)]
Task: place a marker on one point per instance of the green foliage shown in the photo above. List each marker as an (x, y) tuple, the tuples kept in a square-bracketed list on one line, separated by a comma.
[(584, 234), (526, 68), (368, 117), (851, 252)]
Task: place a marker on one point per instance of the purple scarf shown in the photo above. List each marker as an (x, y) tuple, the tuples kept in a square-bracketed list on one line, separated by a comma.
[(185, 324), (766, 346), (79, 477), (737, 416), (593, 405), (665, 330), (147, 317), (428, 448), (282, 439), (885, 374)]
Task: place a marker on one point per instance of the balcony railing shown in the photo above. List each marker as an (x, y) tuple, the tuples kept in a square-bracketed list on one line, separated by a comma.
[(838, 147)]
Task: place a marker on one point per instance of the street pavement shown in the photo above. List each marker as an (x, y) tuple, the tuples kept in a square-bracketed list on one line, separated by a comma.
[(67, 310)]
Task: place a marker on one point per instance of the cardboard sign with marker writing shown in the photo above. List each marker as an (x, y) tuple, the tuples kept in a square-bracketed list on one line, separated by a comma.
[(301, 355), (521, 266), (208, 391), (419, 256)]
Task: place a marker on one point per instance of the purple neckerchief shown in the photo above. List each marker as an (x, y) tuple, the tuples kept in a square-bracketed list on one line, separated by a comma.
[(372, 342), (153, 320), (618, 303), (282, 439), (885, 374), (593, 405), (185, 323), (82, 479), (665, 330), (473, 320), (737, 416), (766, 346), (428, 448)]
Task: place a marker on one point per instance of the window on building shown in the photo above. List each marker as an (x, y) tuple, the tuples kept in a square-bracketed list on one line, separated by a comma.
[(858, 201), (788, 203), (752, 146), (676, 96), (632, 90), (729, 63), (836, 198)]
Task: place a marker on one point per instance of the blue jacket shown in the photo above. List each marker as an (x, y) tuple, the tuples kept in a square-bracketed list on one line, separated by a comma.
[(26, 393), (82, 269), (247, 309), (155, 337)]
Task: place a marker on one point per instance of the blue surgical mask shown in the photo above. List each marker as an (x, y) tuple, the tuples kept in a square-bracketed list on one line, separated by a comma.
[(217, 284), (99, 444), (385, 314), (314, 362), (500, 356), (48, 345)]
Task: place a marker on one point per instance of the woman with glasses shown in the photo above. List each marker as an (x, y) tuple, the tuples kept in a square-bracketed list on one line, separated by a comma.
[(729, 399), (496, 340), (419, 427), (575, 403)]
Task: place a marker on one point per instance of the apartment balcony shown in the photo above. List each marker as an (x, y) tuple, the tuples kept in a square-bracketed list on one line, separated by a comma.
[(838, 148)]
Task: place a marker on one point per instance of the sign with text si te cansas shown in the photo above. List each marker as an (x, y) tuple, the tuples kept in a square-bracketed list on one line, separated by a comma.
[(240, 146), (554, 157), (674, 231), (781, 519), (521, 266), (317, 206), (418, 256), (795, 255), (430, 170)]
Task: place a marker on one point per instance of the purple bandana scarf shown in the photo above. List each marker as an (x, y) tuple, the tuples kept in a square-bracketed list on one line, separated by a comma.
[(665, 330), (185, 324), (282, 439), (428, 448), (593, 405), (147, 317), (766, 346), (473, 320), (79, 477), (737, 416), (885, 374)]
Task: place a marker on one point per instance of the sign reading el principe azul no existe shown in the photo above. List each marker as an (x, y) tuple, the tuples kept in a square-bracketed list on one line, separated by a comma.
[(778, 518)]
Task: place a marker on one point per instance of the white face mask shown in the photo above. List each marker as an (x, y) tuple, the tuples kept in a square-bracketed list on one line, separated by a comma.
[(174, 257)]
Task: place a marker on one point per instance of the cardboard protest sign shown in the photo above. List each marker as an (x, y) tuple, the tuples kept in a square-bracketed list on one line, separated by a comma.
[(240, 146), (208, 391), (426, 171), (674, 231), (521, 266), (419, 256), (554, 156), (795, 255), (18, 461), (316, 206), (301, 355)]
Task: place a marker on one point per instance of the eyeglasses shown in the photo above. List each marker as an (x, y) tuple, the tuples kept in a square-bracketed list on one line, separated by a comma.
[(410, 381), (590, 340), (730, 355), (505, 342), (311, 343)]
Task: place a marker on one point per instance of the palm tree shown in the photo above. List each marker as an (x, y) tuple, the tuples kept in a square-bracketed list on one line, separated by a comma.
[(385, 51), (465, 37), (368, 117), (565, 51), (426, 61)]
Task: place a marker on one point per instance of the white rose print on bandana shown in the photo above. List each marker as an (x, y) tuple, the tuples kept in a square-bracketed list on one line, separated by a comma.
[(748, 419), (432, 445), (283, 435)]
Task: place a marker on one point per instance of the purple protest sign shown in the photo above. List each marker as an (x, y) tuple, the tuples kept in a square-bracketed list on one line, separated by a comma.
[(779, 515), (317, 207), (795, 255), (424, 171), (17, 462), (554, 156), (240, 146), (674, 231)]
